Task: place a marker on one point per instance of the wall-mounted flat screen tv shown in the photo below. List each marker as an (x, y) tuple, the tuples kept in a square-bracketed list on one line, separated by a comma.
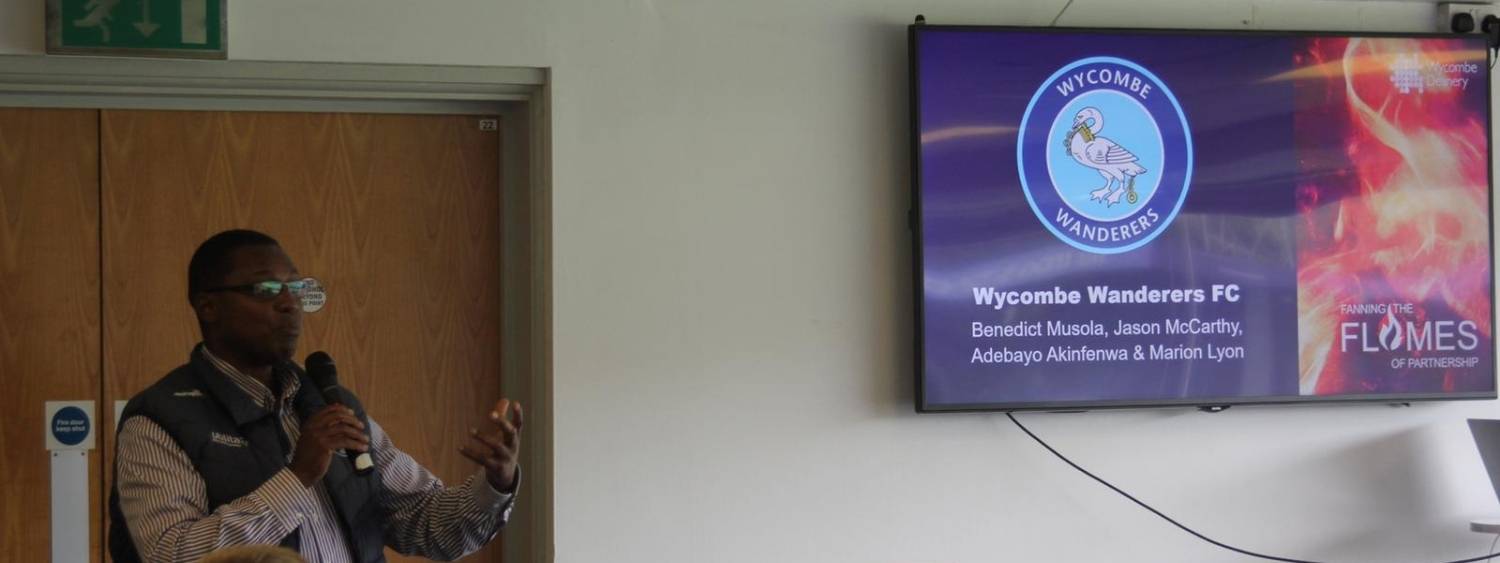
[(1110, 218)]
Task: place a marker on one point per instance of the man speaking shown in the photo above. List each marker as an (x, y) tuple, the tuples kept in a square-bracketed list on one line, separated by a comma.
[(240, 446)]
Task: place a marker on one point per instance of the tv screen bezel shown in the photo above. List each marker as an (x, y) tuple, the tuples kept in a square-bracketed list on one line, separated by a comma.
[(915, 223)]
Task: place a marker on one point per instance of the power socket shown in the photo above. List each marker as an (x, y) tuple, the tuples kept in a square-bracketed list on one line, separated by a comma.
[(1450, 16)]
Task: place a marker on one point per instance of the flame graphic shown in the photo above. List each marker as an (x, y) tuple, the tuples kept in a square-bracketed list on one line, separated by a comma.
[(1398, 213), (1390, 331)]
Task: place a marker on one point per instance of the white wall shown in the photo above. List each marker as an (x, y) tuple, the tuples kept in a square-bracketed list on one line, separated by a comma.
[(732, 306)]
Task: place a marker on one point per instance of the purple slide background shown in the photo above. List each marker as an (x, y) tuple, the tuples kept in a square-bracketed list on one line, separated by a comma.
[(1238, 224)]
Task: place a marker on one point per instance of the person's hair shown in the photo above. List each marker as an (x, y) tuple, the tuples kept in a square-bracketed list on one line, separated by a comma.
[(254, 554), (210, 263)]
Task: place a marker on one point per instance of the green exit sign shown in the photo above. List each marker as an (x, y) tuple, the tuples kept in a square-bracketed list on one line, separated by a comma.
[(138, 28)]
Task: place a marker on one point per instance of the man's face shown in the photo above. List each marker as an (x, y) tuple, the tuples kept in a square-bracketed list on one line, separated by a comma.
[(259, 330)]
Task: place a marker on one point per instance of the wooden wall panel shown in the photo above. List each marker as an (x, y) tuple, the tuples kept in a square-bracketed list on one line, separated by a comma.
[(49, 308), (397, 216)]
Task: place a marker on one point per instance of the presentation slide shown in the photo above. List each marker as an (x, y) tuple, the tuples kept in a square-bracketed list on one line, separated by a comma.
[(1188, 218)]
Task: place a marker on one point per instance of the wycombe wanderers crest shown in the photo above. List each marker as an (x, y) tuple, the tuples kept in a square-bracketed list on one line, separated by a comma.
[(1105, 155)]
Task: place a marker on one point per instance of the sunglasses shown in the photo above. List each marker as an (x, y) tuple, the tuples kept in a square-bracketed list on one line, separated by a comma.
[(269, 289)]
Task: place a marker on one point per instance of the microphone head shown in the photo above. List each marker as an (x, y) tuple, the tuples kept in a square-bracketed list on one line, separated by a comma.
[(321, 369)]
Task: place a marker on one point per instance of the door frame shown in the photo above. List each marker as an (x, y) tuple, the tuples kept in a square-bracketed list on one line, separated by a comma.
[(520, 95)]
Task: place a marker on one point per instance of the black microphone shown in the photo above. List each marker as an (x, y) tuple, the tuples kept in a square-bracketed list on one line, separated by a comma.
[(325, 375)]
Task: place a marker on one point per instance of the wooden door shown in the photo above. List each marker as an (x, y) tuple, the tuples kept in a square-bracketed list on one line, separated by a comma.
[(396, 215), (49, 309)]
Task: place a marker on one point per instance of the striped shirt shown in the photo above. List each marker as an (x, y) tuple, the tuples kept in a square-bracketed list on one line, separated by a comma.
[(166, 502)]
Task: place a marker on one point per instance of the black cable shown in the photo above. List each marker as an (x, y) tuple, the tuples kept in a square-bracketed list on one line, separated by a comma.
[(1490, 26), (1064, 10), (1176, 523)]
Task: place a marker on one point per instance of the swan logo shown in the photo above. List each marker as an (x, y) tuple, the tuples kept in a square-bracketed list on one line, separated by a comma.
[(1105, 155)]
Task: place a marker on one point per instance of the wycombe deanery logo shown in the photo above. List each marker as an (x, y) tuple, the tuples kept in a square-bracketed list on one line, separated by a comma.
[(1105, 155)]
